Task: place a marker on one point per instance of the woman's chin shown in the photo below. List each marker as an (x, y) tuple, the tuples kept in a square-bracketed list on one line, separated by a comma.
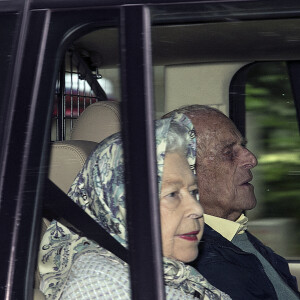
[(188, 256)]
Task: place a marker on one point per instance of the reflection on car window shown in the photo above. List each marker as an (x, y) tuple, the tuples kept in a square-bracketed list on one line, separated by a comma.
[(273, 135)]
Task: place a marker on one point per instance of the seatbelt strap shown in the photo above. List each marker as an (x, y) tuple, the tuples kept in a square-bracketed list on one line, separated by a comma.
[(59, 205)]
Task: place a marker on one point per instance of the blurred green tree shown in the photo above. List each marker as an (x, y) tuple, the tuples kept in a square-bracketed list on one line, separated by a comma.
[(269, 99)]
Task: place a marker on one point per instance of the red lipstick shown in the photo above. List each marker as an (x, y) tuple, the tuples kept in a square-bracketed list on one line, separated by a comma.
[(190, 236)]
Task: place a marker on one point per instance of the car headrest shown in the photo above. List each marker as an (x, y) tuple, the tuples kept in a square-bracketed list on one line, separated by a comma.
[(66, 160), (98, 121)]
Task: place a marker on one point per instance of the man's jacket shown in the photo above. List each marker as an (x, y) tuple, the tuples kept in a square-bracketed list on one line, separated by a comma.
[(237, 273)]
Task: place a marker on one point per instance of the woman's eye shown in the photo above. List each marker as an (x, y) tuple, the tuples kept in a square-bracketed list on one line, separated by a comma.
[(194, 192), (172, 195)]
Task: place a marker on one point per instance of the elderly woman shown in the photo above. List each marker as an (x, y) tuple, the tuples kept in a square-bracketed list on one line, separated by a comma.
[(73, 267)]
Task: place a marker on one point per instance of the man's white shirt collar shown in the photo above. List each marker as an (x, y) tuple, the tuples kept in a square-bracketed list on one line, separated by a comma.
[(228, 229)]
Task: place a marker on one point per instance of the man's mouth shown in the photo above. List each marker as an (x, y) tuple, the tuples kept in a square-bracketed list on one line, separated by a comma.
[(247, 182), (190, 236)]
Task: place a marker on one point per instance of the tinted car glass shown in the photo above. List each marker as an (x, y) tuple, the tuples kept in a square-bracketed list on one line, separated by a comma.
[(273, 133)]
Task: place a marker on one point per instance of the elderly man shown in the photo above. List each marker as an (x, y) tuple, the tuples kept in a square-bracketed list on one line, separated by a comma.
[(230, 257)]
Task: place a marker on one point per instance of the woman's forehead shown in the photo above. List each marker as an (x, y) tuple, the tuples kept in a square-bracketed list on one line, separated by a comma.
[(177, 170)]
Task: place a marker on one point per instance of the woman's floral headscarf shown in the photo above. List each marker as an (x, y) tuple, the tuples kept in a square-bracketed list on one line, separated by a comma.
[(99, 190)]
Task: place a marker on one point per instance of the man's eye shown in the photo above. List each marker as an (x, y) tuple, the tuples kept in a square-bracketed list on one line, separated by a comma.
[(227, 152)]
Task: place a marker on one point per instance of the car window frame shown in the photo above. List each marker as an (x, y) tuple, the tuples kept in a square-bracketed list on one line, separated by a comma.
[(49, 47), (26, 151)]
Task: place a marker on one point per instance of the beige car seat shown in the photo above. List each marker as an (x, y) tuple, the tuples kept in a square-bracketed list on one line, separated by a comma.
[(66, 160), (98, 121)]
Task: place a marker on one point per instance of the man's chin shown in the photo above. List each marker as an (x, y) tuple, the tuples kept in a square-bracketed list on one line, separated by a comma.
[(247, 197), (250, 203)]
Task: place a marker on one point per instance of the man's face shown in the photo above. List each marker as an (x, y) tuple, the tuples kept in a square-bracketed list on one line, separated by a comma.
[(223, 167)]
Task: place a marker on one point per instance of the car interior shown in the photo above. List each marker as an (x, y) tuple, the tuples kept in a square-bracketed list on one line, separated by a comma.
[(192, 63)]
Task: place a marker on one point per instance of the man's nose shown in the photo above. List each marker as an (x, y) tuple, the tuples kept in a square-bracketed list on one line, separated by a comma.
[(249, 160)]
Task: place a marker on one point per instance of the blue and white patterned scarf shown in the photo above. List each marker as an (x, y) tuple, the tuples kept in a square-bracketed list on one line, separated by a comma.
[(99, 191)]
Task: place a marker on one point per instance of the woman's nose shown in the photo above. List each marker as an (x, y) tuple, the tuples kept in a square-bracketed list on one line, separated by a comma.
[(194, 209)]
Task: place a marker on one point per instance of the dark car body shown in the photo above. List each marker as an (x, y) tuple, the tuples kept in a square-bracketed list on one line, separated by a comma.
[(34, 37)]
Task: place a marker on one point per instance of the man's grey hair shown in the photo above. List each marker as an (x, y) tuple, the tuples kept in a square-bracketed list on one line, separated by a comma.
[(191, 110), (194, 111)]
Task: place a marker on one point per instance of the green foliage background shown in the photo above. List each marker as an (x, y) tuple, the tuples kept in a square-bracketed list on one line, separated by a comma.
[(270, 101)]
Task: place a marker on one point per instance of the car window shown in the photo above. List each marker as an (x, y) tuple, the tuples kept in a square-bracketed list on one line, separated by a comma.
[(99, 52), (89, 73), (273, 134)]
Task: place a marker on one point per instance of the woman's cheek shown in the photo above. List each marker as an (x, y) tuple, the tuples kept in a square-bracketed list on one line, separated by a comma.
[(167, 233)]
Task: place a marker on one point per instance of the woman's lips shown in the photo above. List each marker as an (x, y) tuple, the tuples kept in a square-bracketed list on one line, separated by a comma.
[(190, 236)]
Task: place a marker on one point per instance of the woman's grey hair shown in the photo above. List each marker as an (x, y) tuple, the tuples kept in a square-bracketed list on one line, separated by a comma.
[(176, 141)]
